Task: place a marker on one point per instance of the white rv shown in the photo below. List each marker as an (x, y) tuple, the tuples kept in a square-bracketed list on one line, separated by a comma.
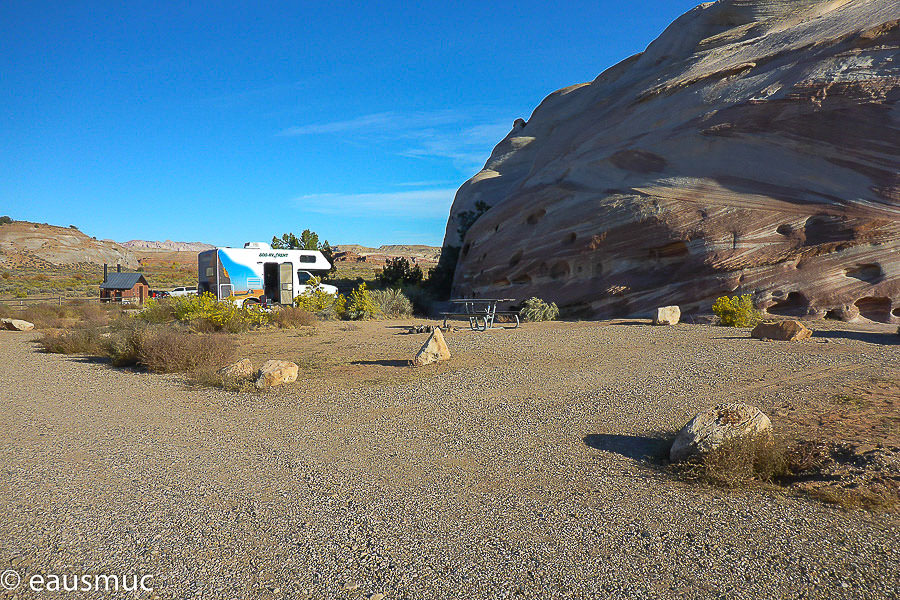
[(258, 274)]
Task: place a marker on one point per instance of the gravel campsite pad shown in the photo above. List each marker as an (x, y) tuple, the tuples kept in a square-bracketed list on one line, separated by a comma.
[(525, 466)]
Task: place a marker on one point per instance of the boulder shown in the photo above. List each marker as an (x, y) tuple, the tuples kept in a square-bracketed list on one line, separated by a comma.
[(753, 146), (711, 428), (667, 315), (276, 372), (434, 350), (786, 331), (242, 369), (16, 325)]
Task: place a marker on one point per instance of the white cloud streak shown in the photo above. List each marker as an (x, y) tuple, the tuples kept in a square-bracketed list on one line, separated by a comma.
[(430, 203)]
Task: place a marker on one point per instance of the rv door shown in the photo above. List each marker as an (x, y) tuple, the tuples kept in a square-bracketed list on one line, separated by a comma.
[(286, 275)]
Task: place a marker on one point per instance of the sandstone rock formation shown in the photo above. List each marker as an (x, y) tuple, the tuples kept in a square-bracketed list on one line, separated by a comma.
[(712, 428), (434, 350), (58, 245), (784, 331), (752, 148), (16, 325)]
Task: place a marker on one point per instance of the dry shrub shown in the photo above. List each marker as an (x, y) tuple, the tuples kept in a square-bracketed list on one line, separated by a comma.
[(883, 496), (741, 460), (46, 316), (88, 340), (169, 350), (292, 317)]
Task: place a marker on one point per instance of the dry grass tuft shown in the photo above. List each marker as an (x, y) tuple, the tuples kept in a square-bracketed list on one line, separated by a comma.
[(291, 317), (880, 498)]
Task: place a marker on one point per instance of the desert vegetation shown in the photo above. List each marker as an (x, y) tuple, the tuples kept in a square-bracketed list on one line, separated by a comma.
[(535, 309), (736, 311)]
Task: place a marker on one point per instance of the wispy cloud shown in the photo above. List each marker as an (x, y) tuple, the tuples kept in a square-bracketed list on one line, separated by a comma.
[(427, 203), (390, 122), (464, 138)]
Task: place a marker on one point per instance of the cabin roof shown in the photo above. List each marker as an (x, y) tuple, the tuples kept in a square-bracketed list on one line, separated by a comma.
[(122, 281)]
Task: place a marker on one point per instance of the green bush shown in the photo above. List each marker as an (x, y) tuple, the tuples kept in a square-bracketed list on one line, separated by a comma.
[(535, 309), (392, 303), (736, 311), (398, 272), (205, 313), (5, 219), (317, 301), (361, 304)]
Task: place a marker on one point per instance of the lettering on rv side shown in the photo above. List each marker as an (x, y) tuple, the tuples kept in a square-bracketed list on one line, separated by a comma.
[(273, 254)]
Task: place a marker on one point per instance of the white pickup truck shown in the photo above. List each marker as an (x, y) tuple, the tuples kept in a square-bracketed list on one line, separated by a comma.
[(184, 291)]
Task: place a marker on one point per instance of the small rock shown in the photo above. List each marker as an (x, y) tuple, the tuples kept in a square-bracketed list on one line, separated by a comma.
[(711, 428), (242, 369), (16, 325), (434, 350), (378, 596), (667, 315), (787, 331), (276, 372)]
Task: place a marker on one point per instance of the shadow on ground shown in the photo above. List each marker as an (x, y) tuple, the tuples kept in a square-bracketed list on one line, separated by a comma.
[(383, 363), (872, 337), (635, 447)]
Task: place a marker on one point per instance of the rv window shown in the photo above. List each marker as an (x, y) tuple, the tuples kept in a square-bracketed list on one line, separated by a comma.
[(307, 258), (303, 277)]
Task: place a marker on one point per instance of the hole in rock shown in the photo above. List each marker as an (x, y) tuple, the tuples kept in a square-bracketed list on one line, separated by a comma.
[(785, 229), (515, 258), (559, 270), (896, 312), (825, 229), (795, 305), (870, 273), (466, 249), (570, 238), (534, 217), (874, 308), (833, 314)]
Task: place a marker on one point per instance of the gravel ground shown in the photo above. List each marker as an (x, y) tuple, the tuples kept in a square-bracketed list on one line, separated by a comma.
[(514, 470)]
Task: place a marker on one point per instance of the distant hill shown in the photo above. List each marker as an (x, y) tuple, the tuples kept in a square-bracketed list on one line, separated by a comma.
[(168, 245), (407, 250), (24, 244)]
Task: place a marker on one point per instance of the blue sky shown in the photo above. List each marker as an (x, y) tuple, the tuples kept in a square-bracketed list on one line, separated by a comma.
[(227, 122)]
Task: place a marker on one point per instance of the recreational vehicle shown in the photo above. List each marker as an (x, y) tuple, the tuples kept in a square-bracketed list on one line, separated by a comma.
[(258, 274)]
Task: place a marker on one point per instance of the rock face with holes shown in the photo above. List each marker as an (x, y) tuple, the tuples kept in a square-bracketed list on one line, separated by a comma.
[(712, 428), (754, 147)]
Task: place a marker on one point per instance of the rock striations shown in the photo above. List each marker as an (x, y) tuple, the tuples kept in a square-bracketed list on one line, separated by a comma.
[(752, 148)]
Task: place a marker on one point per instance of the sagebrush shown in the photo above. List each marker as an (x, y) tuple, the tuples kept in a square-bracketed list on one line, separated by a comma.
[(392, 303), (535, 309)]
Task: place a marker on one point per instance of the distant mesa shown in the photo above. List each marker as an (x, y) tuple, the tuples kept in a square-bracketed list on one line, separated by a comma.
[(168, 245), (24, 242), (754, 147)]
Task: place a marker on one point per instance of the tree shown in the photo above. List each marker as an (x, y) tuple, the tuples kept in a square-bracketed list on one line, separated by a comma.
[(308, 240), (5, 219), (398, 272)]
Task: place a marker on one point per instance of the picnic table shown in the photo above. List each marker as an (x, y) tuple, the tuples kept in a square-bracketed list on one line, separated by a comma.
[(481, 312)]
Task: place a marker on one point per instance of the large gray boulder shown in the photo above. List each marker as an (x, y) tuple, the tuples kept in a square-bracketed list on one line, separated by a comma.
[(711, 428)]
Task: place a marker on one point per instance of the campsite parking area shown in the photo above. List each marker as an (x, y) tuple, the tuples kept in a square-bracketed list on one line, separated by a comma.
[(523, 467)]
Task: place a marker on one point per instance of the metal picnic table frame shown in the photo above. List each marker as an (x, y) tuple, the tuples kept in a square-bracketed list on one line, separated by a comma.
[(481, 312)]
